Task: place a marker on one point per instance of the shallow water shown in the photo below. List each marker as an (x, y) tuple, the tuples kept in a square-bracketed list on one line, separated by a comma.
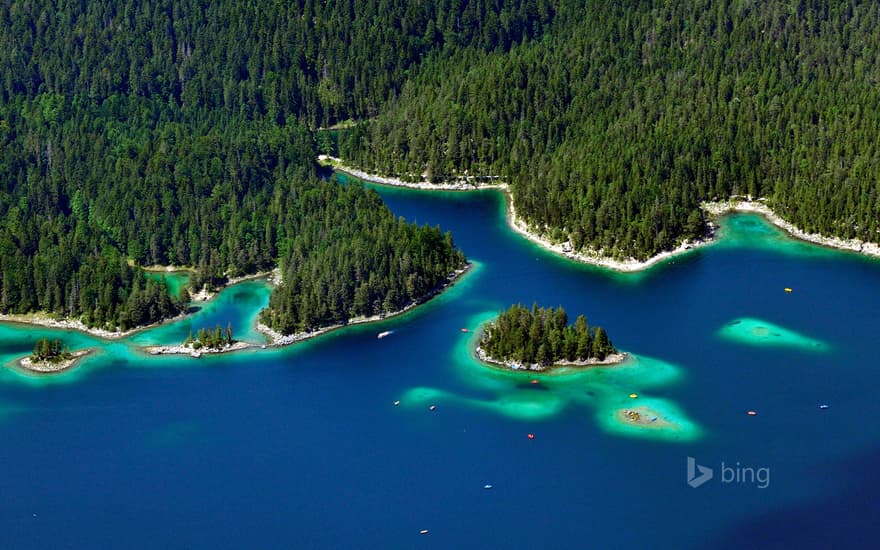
[(304, 446)]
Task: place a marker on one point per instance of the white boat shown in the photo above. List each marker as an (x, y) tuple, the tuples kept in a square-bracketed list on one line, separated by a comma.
[(383, 334)]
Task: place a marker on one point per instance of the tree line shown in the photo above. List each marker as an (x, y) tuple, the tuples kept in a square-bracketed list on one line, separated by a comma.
[(49, 350), (624, 117), (316, 62), (210, 338)]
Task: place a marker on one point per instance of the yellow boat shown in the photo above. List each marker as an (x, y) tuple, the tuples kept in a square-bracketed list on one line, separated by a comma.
[(787, 289)]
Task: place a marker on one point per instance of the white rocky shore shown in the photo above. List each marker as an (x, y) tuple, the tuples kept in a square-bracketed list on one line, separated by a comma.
[(189, 349), (461, 183), (598, 257), (592, 257), (44, 320), (612, 359), (48, 367), (205, 294), (515, 222), (758, 206), (278, 339)]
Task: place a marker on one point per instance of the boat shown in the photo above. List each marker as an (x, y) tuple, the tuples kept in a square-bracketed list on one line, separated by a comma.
[(396, 403), (423, 532), (531, 436), (487, 486), (788, 290), (464, 330), (383, 334), (751, 413), (824, 406), (535, 381), (633, 395), (432, 408)]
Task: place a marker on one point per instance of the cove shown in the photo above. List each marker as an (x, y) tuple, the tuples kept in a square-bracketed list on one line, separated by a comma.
[(303, 445)]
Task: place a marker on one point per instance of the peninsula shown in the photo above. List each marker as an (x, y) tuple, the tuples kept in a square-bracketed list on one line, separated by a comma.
[(540, 339)]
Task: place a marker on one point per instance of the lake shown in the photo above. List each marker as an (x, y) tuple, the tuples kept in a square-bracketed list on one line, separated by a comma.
[(304, 447)]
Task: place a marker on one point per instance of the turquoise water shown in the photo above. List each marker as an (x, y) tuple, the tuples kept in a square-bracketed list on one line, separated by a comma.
[(175, 280), (304, 446)]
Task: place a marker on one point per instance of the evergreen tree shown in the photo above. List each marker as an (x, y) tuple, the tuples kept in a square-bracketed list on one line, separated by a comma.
[(536, 336)]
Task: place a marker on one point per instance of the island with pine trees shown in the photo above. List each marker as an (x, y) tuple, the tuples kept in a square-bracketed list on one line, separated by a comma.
[(541, 339), (216, 340), (50, 356)]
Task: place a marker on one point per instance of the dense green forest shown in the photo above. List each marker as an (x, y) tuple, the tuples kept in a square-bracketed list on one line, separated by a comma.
[(623, 117), (159, 132), (317, 62), (355, 259), (136, 133), (52, 351), (543, 336), (229, 196)]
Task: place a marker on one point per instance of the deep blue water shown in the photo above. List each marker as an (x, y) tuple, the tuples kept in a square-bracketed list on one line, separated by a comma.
[(303, 447)]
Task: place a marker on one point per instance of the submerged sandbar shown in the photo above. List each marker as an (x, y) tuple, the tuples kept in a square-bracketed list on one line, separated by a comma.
[(652, 418), (643, 416), (757, 332)]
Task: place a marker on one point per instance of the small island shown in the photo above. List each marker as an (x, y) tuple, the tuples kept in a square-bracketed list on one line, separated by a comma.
[(214, 340), (51, 356), (541, 338), (643, 417)]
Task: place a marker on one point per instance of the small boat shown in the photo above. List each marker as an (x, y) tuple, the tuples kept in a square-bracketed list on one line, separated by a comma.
[(432, 408), (487, 486), (531, 436), (824, 406), (751, 413), (633, 395), (535, 381), (396, 403), (787, 290), (423, 532), (383, 334), (464, 330)]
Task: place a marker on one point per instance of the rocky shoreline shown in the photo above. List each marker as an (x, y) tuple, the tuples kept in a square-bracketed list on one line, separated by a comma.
[(613, 359), (50, 367), (45, 320), (596, 257), (189, 349), (462, 183), (277, 339), (758, 206), (517, 224)]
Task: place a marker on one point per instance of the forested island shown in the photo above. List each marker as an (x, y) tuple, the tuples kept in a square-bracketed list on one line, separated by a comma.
[(51, 356), (206, 340), (540, 338)]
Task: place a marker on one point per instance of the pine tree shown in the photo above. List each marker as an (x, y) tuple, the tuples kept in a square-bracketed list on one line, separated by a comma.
[(601, 344)]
